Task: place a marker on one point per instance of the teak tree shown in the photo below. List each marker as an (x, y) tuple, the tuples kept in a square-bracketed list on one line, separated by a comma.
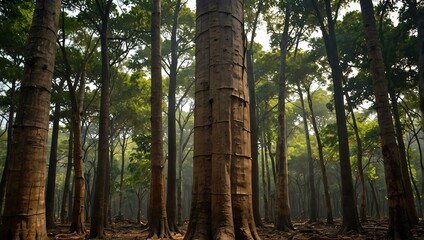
[(222, 191), (399, 227), (24, 213)]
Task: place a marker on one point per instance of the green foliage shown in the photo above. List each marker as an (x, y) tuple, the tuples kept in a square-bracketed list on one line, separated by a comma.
[(139, 167)]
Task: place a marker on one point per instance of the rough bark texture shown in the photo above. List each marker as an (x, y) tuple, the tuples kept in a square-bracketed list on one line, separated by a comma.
[(350, 214), (158, 222), (222, 191), (399, 227), (100, 199), (24, 213), (329, 209), (282, 217)]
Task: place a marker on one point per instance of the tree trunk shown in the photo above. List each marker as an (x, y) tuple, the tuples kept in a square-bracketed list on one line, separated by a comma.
[(363, 208), (350, 214), (24, 213), (409, 194), (158, 222), (172, 134), (100, 199), (399, 227), (312, 192), (222, 202), (121, 181), (64, 206), (51, 176), (253, 122), (264, 184), (282, 218), (9, 144), (329, 209)]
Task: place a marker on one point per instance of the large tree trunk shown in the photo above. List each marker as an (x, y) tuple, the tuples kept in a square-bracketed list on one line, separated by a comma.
[(171, 200), (329, 209), (51, 176), (350, 214), (282, 217), (312, 195), (100, 202), (24, 214), (399, 227), (222, 202), (158, 222)]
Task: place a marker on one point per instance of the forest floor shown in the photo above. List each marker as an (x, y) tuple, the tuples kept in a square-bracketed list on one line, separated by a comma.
[(127, 230)]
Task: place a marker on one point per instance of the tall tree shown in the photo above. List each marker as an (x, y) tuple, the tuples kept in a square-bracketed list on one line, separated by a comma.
[(24, 214), (221, 196), (399, 227), (350, 214), (171, 197), (99, 202), (158, 222), (282, 217), (253, 121), (51, 176)]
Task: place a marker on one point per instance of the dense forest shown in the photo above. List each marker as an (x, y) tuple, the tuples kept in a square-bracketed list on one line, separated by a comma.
[(218, 119)]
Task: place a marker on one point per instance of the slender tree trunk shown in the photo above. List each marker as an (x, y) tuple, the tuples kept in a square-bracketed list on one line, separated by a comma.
[(121, 182), (329, 209), (172, 134), (253, 122), (399, 227), (100, 198), (264, 184), (222, 200), (158, 222), (24, 213), (363, 208), (312, 192), (9, 144), (409, 194), (350, 214), (51, 176), (64, 206), (282, 218)]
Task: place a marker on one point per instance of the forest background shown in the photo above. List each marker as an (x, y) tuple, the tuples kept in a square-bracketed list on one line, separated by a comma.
[(311, 126)]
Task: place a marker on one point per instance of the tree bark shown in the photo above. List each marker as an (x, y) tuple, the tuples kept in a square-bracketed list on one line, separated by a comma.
[(399, 227), (282, 217), (24, 214), (158, 222), (221, 196)]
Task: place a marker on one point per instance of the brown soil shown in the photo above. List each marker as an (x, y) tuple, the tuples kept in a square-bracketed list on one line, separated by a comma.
[(127, 230)]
